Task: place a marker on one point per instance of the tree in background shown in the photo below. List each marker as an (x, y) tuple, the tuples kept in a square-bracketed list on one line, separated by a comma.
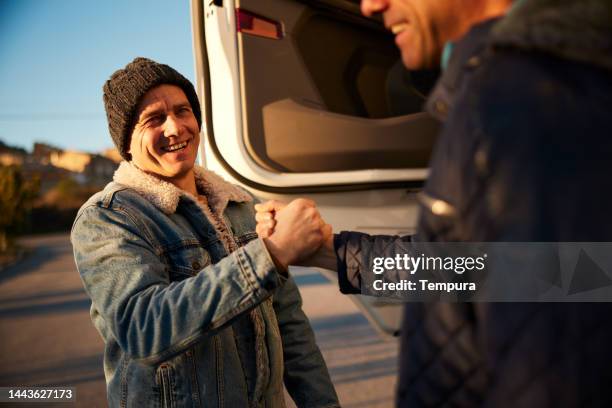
[(56, 208), (16, 197), (68, 193)]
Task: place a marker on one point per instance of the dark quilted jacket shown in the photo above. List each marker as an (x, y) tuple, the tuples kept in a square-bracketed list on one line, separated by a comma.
[(524, 155)]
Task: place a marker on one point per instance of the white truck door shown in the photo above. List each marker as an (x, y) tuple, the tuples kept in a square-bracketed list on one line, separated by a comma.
[(310, 99)]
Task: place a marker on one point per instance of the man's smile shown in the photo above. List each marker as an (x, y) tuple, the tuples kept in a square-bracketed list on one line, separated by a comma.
[(398, 27), (176, 146)]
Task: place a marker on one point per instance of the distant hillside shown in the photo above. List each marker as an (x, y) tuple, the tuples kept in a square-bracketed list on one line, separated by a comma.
[(4, 148)]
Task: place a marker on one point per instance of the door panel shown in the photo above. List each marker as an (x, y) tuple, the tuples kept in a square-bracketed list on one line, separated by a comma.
[(331, 61), (305, 139)]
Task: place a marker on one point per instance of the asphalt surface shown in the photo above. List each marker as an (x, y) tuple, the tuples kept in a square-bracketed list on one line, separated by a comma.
[(46, 336)]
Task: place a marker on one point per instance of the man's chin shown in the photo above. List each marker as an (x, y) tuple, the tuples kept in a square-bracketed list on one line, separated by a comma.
[(418, 61), (413, 62), (177, 170)]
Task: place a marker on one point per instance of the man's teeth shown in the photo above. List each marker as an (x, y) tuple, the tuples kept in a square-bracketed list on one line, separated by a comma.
[(175, 147), (398, 28)]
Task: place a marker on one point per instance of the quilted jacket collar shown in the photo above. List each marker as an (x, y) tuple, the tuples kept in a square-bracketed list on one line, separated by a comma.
[(573, 30)]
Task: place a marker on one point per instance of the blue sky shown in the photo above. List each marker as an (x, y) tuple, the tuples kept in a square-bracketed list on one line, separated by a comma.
[(56, 54)]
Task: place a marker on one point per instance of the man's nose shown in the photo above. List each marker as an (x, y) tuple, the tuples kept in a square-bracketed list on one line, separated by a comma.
[(371, 7), (172, 126)]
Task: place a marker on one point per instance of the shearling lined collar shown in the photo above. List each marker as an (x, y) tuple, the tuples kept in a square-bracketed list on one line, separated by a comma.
[(166, 196)]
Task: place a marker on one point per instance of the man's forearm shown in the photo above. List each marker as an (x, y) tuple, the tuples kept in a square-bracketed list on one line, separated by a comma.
[(355, 251), (324, 258)]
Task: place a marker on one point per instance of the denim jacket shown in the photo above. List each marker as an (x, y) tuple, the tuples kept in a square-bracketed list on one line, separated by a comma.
[(188, 301)]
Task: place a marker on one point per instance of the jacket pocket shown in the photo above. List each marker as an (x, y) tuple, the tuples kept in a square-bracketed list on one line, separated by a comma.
[(195, 384), (186, 261), (165, 381)]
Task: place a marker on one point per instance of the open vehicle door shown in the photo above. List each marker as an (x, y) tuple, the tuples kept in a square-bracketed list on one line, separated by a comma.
[(309, 98)]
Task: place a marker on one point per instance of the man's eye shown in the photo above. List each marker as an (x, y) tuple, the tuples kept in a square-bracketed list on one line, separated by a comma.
[(154, 120)]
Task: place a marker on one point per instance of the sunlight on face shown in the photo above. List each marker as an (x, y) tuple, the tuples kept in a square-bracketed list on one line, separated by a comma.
[(422, 27), (166, 136)]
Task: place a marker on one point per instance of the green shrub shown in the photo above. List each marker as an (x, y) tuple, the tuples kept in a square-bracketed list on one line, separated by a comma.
[(16, 197)]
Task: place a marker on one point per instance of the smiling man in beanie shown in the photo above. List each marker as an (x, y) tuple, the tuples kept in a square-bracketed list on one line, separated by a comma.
[(194, 309)]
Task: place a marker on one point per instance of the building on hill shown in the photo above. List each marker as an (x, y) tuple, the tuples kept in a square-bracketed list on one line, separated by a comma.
[(42, 152), (112, 154), (51, 164), (91, 169), (10, 155)]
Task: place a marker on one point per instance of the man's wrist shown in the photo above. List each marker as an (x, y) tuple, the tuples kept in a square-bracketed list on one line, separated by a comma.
[(324, 258), (281, 264)]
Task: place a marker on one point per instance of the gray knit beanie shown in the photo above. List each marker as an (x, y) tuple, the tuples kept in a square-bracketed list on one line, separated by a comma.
[(126, 87)]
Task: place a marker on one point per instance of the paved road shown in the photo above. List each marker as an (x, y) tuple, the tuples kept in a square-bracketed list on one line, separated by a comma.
[(46, 337)]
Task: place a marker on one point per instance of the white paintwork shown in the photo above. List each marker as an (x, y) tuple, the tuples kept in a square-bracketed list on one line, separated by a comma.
[(222, 44), (386, 211), (383, 211)]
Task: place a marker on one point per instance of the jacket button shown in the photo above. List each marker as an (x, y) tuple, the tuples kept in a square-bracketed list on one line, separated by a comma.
[(473, 62), (439, 207), (441, 107), (481, 161), (195, 265)]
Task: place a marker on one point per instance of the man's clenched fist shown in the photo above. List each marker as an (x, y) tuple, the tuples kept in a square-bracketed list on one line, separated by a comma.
[(292, 232)]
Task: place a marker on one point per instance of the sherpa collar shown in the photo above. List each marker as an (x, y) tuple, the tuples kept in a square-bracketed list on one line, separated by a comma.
[(166, 196)]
